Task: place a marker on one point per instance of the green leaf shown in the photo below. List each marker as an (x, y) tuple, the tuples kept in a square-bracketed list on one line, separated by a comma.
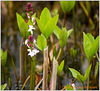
[(74, 72), (60, 67), (41, 42), (45, 16), (47, 24), (87, 72), (69, 32), (90, 45), (67, 6), (91, 38), (96, 69), (81, 78), (63, 35), (40, 25), (50, 26), (68, 87), (87, 46), (3, 86), (95, 45), (3, 57), (57, 31), (23, 26)]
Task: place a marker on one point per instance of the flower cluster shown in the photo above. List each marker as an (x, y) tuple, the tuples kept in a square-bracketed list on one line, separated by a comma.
[(30, 42), (30, 15)]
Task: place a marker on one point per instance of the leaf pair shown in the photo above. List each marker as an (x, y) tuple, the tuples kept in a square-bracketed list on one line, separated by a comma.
[(90, 45), (63, 36), (80, 77), (3, 57), (23, 26), (60, 67), (67, 6), (47, 24)]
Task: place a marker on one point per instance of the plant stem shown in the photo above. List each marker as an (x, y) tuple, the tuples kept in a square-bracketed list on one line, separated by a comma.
[(32, 78), (45, 69), (20, 60), (24, 61), (97, 57), (60, 56), (4, 74), (74, 26), (64, 19), (13, 66), (59, 53), (88, 77), (25, 82), (83, 86), (54, 74)]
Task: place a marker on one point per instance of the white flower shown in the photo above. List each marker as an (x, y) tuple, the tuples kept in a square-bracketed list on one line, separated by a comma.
[(33, 52), (30, 29)]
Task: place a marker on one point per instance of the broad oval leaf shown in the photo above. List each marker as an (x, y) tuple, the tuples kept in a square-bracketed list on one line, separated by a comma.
[(87, 46), (50, 26), (45, 16), (41, 42), (91, 38), (57, 31), (67, 6), (23, 26), (63, 35)]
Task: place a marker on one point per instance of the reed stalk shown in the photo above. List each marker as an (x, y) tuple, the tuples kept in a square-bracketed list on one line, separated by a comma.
[(54, 74), (45, 69)]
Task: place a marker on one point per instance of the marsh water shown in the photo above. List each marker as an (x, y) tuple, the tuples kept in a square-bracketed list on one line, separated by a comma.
[(11, 39)]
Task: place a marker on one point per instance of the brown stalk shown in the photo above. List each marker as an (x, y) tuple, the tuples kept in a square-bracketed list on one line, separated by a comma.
[(54, 75), (45, 69)]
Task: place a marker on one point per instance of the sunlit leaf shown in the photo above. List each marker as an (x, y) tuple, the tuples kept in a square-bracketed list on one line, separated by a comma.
[(41, 42), (57, 31), (50, 26), (3, 86), (45, 16), (23, 26)]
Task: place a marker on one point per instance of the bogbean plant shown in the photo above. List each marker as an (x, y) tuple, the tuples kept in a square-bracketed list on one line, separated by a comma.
[(48, 25)]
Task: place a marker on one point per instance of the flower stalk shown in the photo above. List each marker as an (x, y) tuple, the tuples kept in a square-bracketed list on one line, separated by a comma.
[(32, 76)]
